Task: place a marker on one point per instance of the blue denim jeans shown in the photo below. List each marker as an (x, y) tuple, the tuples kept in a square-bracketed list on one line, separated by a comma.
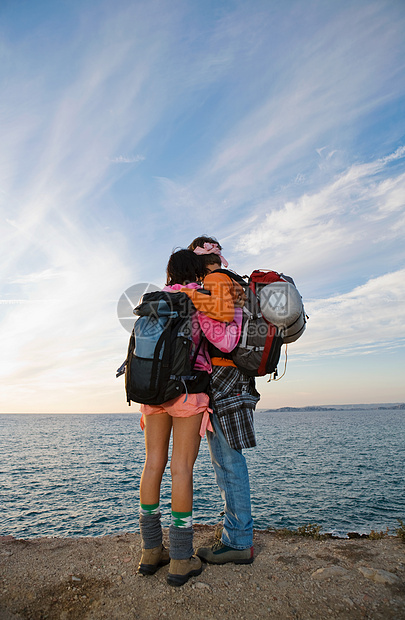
[(232, 478)]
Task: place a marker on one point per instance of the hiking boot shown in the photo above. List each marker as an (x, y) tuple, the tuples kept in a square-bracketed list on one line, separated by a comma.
[(180, 571), (152, 559), (221, 554)]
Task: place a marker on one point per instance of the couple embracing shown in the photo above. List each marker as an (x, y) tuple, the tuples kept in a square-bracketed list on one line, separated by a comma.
[(224, 411)]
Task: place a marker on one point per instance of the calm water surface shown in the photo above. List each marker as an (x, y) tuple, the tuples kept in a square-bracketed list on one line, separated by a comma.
[(78, 475)]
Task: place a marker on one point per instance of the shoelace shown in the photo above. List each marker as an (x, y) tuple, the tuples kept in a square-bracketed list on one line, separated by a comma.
[(218, 545)]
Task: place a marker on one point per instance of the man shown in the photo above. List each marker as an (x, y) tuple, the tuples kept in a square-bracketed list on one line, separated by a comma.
[(233, 400)]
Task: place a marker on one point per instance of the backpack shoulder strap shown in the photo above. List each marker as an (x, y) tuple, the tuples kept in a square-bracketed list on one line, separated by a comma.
[(233, 275)]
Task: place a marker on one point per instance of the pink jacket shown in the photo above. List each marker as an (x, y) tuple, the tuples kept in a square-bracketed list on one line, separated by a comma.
[(224, 336)]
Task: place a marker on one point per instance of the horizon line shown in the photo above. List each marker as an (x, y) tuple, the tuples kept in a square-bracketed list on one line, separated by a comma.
[(334, 405)]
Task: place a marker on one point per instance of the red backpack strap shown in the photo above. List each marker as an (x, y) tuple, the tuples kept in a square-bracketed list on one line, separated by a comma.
[(267, 347)]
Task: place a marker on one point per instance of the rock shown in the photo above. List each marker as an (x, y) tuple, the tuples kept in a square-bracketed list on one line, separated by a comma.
[(330, 572), (75, 578), (378, 575), (202, 586)]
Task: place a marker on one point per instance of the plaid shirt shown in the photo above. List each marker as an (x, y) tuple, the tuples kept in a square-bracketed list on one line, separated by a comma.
[(233, 400)]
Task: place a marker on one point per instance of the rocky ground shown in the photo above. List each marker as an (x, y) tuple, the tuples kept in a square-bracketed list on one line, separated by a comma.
[(291, 577)]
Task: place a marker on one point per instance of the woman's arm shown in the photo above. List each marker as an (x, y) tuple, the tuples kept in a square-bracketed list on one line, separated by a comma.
[(224, 336)]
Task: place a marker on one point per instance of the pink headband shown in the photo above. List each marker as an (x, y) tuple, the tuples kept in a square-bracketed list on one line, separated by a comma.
[(211, 248)]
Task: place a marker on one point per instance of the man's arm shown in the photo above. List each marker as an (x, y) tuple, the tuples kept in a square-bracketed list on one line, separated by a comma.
[(219, 304)]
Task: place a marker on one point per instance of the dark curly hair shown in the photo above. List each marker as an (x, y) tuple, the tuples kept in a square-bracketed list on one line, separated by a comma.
[(184, 267), (209, 259)]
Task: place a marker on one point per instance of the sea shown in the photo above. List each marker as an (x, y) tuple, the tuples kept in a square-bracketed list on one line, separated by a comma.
[(78, 475)]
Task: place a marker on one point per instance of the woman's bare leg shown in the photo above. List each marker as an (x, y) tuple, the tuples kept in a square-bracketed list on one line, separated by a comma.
[(186, 442), (157, 436)]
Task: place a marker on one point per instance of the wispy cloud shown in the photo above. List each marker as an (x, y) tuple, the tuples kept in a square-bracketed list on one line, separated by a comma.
[(265, 127), (315, 92), (368, 318), (31, 278), (122, 159), (61, 243), (351, 220)]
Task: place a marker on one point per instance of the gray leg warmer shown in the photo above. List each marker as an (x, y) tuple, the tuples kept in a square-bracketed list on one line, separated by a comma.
[(151, 530), (181, 542)]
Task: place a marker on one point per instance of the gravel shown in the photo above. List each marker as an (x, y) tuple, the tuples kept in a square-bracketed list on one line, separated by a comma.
[(294, 577)]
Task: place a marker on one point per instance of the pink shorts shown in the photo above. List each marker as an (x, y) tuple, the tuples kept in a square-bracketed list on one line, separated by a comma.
[(180, 407)]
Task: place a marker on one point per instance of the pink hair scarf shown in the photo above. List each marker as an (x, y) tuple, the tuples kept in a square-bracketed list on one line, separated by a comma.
[(211, 248)]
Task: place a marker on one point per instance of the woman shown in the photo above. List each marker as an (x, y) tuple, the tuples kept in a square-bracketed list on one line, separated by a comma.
[(188, 417)]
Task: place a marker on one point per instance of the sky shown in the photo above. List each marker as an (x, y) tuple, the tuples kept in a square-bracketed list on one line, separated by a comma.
[(128, 128)]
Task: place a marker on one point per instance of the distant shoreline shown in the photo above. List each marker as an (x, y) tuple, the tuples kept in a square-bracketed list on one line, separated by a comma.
[(363, 407), (375, 407)]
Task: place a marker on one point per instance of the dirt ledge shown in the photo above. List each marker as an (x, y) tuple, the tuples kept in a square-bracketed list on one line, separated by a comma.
[(294, 577)]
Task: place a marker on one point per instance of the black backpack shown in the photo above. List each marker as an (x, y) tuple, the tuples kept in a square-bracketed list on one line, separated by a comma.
[(161, 354)]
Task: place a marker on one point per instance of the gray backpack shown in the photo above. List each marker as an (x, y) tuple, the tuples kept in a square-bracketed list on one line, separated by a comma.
[(258, 350)]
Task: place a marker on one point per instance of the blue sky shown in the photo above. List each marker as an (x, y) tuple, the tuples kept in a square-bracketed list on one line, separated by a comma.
[(128, 128)]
